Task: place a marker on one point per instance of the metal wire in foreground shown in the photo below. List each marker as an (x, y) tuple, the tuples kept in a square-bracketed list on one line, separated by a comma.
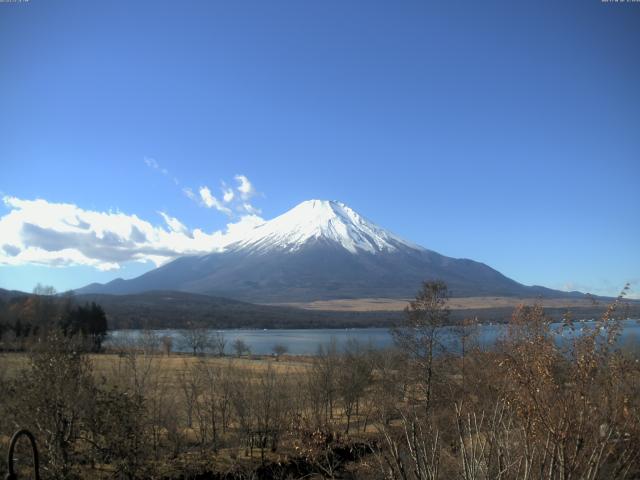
[(34, 449)]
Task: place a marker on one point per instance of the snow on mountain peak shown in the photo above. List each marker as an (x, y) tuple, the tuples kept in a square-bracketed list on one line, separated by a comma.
[(321, 220)]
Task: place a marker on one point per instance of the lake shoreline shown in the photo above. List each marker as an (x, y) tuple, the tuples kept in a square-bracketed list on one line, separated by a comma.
[(307, 341)]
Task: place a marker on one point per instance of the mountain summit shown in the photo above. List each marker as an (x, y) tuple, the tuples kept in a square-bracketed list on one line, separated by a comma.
[(320, 250), (321, 221)]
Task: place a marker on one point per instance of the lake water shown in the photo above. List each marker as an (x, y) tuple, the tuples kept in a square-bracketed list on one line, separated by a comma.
[(306, 342)]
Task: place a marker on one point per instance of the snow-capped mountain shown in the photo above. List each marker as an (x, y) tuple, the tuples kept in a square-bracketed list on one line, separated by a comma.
[(316, 251), (316, 220)]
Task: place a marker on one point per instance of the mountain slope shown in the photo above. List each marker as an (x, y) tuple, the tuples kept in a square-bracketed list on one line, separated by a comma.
[(320, 250)]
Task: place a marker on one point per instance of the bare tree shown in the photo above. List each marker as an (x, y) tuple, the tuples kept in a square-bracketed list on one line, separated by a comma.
[(242, 400), (196, 339), (189, 383), (323, 378), (466, 334), (224, 381), (389, 387), (354, 376), (279, 349), (241, 347), (414, 454), (167, 344), (149, 342), (56, 392), (269, 408), (118, 435), (218, 343), (573, 402), (132, 370), (211, 402), (43, 309), (419, 334)]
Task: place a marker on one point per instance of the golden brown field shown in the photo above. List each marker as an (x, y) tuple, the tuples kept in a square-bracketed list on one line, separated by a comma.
[(394, 304)]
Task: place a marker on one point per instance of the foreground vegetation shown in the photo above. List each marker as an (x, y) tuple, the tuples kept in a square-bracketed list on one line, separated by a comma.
[(527, 409)]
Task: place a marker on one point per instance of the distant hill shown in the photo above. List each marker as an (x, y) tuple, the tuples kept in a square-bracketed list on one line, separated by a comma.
[(173, 309), (322, 250), (6, 295)]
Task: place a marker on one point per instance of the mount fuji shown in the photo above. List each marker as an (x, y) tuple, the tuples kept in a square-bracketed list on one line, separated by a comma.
[(320, 250)]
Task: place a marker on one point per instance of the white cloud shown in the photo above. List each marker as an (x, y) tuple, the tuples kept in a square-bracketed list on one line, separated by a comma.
[(212, 202), (154, 165), (227, 194), (245, 188), (236, 231), (189, 193), (151, 163), (63, 234), (231, 201), (250, 209), (173, 223)]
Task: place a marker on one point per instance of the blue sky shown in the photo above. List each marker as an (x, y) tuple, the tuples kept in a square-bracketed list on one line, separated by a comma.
[(506, 132)]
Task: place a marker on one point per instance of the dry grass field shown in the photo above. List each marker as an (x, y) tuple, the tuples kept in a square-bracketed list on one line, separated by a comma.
[(395, 304), (168, 383), (106, 365)]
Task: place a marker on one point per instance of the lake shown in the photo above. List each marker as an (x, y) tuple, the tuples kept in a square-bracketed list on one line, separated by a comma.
[(306, 342)]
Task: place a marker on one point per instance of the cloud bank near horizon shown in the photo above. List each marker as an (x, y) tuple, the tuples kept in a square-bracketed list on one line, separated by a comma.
[(39, 232)]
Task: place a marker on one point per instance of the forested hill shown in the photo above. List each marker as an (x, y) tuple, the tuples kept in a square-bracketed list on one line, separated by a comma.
[(170, 309)]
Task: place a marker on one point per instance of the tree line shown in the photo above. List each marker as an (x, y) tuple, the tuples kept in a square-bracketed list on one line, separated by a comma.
[(27, 319)]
